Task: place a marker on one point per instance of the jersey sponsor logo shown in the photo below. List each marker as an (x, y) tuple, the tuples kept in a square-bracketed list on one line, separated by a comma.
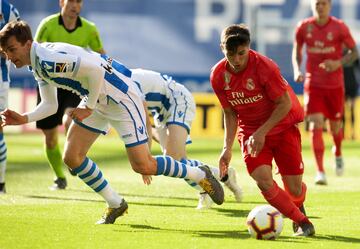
[(320, 48), (227, 79), (250, 85), (63, 67), (240, 99), (317, 50)]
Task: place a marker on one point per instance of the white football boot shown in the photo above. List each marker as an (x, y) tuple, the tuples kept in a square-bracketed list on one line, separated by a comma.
[(231, 183), (205, 201), (339, 165), (320, 178)]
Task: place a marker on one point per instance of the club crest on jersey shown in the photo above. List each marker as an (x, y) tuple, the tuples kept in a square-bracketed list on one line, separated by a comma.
[(63, 67), (309, 29), (330, 36), (227, 79), (250, 85)]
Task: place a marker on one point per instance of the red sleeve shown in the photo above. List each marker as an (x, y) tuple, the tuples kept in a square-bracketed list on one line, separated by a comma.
[(299, 36), (218, 87), (275, 85), (347, 38)]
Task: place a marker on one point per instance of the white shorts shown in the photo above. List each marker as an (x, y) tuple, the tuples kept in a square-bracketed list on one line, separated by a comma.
[(128, 118), (181, 112), (4, 95)]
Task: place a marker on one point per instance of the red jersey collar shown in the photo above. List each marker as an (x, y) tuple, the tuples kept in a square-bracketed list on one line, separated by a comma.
[(321, 26), (250, 60)]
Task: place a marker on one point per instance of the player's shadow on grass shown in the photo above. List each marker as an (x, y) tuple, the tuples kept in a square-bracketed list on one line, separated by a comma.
[(227, 234), (148, 196), (233, 212), (61, 198), (211, 234), (237, 234), (337, 238), (101, 201)]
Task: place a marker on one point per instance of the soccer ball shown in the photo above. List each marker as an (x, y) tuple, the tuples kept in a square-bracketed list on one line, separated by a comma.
[(264, 222)]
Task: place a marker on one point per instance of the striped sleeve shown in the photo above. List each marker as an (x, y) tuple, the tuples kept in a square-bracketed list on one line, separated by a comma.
[(14, 14)]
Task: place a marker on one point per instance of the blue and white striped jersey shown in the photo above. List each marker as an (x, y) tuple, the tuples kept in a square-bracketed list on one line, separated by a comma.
[(167, 101), (88, 74), (8, 13)]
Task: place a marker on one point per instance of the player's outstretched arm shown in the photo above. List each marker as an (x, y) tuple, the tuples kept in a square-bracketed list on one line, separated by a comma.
[(230, 125), (296, 62), (9, 117)]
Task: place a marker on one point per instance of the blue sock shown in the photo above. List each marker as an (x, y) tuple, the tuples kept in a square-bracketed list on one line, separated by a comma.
[(168, 166), (91, 174), (193, 163), (3, 156)]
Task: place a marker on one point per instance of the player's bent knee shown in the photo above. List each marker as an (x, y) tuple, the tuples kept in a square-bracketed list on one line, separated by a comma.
[(295, 191), (72, 160), (265, 184), (142, 168)]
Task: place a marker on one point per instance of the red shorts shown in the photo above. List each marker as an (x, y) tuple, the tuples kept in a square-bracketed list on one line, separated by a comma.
[(329, 102), (284, 148)]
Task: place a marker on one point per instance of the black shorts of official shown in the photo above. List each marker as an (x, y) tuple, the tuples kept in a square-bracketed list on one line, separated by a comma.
[(66, 99), (351, 85)]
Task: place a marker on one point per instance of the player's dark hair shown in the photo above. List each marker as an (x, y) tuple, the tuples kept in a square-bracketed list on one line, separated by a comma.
[(235, 35), (19, 29)]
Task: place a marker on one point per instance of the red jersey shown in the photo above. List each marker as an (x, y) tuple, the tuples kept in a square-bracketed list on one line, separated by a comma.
[(251, 93), (322, 43)]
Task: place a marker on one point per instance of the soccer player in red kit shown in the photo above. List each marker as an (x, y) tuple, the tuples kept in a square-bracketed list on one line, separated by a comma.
[(259, 104), (324, 37)]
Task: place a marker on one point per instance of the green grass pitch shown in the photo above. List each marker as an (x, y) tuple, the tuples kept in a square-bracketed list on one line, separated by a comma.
[(163, 215)]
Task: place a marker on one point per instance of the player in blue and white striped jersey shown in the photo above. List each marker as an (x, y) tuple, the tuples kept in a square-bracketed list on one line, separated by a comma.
[(8, 13), (173, 109), (110, 97)]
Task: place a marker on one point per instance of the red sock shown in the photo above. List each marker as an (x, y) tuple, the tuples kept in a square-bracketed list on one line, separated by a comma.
[(279, 199), (318, 148), (337, 141), (297, 200)]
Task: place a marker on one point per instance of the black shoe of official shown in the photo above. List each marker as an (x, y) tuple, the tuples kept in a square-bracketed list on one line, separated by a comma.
[(2, 188), (59, 184)]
